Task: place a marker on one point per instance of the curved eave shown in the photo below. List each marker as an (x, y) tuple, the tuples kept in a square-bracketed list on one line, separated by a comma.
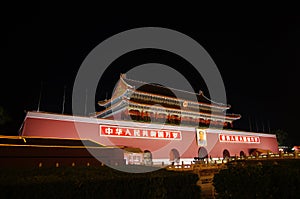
[(131, 89), (233, 116), (113, 108), (113, 101), (116, 99), (212, 105)]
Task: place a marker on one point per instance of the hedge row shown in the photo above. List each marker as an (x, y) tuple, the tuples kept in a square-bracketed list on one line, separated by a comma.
[(259, 180), (102, 182)]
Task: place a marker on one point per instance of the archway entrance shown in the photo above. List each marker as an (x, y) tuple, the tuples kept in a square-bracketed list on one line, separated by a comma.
[(174, 156), (242, 154), (202, 153), (226, 154)]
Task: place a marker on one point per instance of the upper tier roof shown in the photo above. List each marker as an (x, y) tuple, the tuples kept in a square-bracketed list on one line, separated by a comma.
[(162, 91)]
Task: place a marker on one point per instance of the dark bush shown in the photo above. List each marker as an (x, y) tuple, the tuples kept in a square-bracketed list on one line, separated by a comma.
[(101, 182), (259, 180)]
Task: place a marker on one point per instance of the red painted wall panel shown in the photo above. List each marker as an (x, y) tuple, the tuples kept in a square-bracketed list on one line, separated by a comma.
[(187, 147)]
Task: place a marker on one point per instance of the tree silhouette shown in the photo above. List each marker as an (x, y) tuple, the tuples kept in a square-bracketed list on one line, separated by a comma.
[(282, 137), (4, 118)]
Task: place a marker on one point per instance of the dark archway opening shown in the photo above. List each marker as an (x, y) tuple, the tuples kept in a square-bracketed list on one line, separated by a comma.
[(242, 154), (202, 153), (174, 156), (226, 154)]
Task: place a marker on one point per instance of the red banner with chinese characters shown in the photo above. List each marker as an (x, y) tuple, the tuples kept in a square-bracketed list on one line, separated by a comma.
[(129, 132), (239, 138)]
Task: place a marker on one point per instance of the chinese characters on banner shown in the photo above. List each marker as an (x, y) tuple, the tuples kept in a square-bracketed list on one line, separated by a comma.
[(239, 138), (201, 137), (129, 132)]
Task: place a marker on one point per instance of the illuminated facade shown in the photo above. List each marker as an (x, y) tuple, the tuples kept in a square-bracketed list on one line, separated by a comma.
[(166, 124), (140, 101)]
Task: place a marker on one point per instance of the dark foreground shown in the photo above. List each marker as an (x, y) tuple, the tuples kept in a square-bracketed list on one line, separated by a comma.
[(259, 179), (100, 182), (241, 179)]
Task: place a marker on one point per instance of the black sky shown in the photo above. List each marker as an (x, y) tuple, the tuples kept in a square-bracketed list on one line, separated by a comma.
[(257, 57)]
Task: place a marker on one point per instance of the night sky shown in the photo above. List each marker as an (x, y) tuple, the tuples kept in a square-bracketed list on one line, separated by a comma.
[(257, 57)]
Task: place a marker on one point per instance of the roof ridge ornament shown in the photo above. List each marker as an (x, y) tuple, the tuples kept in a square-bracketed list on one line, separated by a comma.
[(123, 75)]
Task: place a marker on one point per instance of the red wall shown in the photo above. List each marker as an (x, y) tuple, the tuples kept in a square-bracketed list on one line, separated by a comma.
[(187, 147), (267, 143)]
